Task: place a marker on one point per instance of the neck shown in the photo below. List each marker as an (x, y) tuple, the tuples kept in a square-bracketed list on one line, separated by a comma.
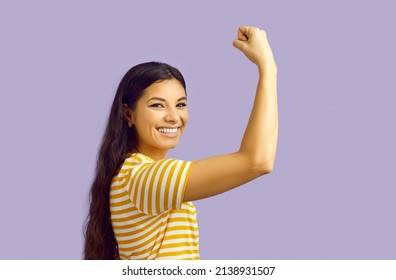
[(155, 154)]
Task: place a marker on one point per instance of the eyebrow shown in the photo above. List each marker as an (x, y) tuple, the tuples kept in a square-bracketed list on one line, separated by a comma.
[(162, 99)]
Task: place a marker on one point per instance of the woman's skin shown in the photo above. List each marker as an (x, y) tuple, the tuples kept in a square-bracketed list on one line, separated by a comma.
[(163, 106)]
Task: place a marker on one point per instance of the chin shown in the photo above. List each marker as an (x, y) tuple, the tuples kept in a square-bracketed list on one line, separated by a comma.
[(168, 147)]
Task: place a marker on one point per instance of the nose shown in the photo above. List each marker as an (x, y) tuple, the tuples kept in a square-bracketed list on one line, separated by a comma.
[(172, 115)]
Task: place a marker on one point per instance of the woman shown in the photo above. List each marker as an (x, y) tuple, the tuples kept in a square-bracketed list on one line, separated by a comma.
[(141, 200)]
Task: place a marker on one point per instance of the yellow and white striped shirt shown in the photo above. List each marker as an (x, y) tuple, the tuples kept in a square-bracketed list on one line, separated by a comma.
[(149, 218)]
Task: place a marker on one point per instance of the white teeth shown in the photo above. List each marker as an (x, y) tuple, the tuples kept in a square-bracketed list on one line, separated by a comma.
[(168, 130)]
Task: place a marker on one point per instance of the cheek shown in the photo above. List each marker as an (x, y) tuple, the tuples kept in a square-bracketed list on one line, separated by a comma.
[(146, 118), (143, 126), (184, 116)]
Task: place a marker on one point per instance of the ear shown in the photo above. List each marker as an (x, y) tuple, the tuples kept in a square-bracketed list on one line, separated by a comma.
[(128, 115)]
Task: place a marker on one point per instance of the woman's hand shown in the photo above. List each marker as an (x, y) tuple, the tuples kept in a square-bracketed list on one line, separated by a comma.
[(253, 42)]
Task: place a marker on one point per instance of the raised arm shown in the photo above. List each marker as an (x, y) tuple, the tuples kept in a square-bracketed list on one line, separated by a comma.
[(256, 155)]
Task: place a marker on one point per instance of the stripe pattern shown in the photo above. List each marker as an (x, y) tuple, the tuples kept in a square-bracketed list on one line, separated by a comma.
[(149, 218)]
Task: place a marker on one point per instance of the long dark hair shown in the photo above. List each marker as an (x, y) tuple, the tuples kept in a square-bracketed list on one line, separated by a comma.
[(118, 140)]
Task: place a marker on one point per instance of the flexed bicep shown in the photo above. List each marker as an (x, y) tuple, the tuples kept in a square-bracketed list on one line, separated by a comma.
[(215, 175)]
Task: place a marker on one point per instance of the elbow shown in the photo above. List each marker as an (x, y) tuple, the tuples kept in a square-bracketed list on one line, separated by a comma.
[(259, 166), (264, 167)]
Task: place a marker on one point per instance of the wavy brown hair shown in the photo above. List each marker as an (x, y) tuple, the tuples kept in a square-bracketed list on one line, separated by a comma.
[(118, 140)]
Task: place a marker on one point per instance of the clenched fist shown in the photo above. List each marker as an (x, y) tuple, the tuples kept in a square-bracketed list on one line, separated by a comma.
[(253, 42)]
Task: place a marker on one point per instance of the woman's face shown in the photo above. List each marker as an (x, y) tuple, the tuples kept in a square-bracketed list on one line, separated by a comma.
[(160, 117)]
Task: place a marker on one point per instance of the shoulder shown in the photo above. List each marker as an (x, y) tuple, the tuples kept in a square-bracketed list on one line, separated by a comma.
[(135, 160), (132, 162)]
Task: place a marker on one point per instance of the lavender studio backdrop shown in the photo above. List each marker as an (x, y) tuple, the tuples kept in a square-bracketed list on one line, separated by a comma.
[(332, 193)]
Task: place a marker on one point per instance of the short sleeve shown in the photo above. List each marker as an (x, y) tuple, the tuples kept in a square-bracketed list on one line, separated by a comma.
[(159, 186)]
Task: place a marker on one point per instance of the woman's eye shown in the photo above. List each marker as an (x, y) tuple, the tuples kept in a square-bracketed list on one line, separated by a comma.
[(157, 105), (181, 105)]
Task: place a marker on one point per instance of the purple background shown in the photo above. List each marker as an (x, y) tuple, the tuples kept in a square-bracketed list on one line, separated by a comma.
[(332, 193)]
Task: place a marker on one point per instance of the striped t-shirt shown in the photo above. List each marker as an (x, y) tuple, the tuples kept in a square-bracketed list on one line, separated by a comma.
[(149, 218)]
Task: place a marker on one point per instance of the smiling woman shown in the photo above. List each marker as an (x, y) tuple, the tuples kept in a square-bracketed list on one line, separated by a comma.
[(141, 200)]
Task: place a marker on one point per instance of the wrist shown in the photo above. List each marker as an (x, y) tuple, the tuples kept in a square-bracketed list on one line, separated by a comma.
[(267, 70)]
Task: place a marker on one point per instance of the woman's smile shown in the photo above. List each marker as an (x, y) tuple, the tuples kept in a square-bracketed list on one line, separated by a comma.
[(169, 131)]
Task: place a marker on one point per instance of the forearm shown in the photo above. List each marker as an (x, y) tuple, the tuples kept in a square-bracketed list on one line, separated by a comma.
[(259, 142)]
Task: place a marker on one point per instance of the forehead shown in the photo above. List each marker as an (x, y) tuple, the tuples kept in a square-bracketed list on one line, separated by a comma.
[(166, 89)]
